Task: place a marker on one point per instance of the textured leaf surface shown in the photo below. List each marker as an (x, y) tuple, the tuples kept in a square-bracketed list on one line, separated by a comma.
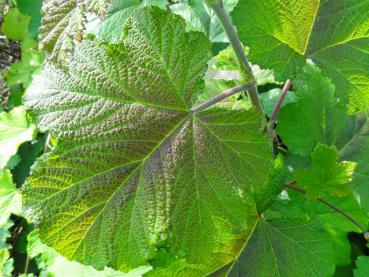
[(286, 247), (15, 129), (63, 24), (326, 174), (315, 117), (334, 33), (133, 170), (51, 263)]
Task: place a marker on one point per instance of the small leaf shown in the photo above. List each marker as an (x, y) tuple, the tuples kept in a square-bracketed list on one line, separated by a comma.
[(15, 128), (326, 174), (15, 25), (362, 266)]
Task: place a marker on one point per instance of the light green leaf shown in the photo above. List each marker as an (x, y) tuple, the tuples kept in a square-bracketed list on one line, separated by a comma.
[(6, 264), (315, 117), (10, 198), (333, 33), (362, 266), (134, 171), (15, 25), (15, 128), (326, 174), (51, 263), (285, 247), (20, 73)]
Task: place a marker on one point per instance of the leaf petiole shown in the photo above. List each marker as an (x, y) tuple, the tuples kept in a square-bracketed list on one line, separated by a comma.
[(290, 185), (218, 98), (279, 103)]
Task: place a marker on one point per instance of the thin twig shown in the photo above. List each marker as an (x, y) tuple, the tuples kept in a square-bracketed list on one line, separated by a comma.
[(279, 103), (218, 98), (330, 205)]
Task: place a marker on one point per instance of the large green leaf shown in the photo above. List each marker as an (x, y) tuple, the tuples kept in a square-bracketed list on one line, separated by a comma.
[(316, 116), (334, 33), (15, 129), (285, 247), (134, 171)]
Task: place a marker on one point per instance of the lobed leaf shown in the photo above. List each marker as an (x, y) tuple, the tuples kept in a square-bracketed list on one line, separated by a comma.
[(326, 174), (134, 172)]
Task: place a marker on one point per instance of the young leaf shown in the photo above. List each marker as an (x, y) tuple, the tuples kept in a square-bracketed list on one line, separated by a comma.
[(333, 33), (15, 129), (326, 174), (134, 171), (315, 117), (362, 266)]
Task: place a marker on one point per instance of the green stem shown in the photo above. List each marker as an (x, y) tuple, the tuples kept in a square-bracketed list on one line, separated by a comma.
[(246, 71)]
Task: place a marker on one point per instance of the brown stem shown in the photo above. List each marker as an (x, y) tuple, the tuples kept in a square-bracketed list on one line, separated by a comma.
[(279, 103), (330, 205)]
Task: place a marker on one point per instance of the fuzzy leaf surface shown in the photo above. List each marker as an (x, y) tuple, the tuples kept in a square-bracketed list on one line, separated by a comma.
[(333, 33), (134, 171), (63, 23)]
